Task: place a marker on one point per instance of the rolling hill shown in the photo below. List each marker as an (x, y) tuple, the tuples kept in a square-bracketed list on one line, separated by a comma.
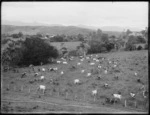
[(52, 30)]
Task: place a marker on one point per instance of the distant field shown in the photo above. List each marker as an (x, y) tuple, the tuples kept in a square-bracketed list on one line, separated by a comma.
[(69, 45), (80, 95)]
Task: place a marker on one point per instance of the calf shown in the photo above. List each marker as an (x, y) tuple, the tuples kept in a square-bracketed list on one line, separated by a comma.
[(94, 92)]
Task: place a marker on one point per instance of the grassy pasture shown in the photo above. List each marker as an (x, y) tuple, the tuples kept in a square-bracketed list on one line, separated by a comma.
[(64, 91)]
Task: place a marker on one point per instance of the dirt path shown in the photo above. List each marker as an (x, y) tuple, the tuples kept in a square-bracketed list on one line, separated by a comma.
[(91, 108)]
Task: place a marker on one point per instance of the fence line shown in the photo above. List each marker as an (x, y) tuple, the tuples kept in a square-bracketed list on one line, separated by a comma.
[(66, 96)]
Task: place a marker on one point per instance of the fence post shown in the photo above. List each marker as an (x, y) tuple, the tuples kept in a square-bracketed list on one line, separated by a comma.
[(125, 103), (135, 104), (66, 95), (22, 88), (8, 86), (58, 93), (29, 89), (14, 88), (94, 98)]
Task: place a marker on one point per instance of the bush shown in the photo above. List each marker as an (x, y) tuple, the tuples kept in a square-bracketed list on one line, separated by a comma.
[(73, 53), (146, 47), (139, 48), (130, 47), (37, 51), (99, 47)]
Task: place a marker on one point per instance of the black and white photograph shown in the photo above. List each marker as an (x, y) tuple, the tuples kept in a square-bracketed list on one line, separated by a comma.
[(74, 57)]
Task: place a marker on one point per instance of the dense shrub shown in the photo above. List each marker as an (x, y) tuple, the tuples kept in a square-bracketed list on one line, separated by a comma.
[(73, 53), (139, 48), (146, 46), (99, 47), (31, 51), (130, 47), (37, 51)]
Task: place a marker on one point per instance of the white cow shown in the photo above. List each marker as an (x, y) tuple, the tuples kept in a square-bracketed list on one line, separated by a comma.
[(82, 71), (55, 68), (87, 58), (118, 96), (59, 62), (78, 63), (65, 62), (89, 74), (115, 65), (132, 94), (97, 60), (135, 74), (62, 73), (94, 92), (99, 66), (42, 87), (92, 63), (105, 85), (105, 72), (42, 78), (43, 69), (76, 81)]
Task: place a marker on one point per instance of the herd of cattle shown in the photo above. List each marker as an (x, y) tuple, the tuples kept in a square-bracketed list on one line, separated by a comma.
[(99, 68)]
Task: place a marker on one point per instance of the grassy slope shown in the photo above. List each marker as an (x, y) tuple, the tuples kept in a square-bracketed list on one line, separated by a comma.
[(129, 62)]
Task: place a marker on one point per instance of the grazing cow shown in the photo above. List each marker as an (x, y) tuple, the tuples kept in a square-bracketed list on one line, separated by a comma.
[(62, 73), (59, 62), (23, 74), (110, 101), (99, 77), (106, 85), (139, 80), (76, 81), (78, 63), (117, 96), (132, 95), (42, 87), (116, 77), (36, 74), (65, 62), (89, 74), (42, 78), (43, 69), (105, 72), (82, 71), (51, 69), (135, 74), (94, 92), (145, 94), (99, 66), (92, 63)]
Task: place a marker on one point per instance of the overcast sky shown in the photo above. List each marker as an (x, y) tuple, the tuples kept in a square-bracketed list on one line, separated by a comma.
[(128, 14)]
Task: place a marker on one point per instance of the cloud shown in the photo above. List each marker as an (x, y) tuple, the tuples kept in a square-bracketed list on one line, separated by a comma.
[(86, 13)]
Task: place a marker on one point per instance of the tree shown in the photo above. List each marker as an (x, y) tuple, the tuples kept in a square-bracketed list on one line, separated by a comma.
[(37, 51), (57, 38), (128, 32), (104, 38), (139, 48), (140, 39), (80, 37), (99, 33)]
